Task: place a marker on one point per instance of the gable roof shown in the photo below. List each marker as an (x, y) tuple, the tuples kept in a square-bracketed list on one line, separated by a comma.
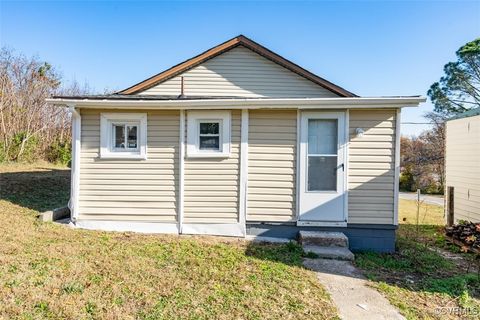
[(226, 46)]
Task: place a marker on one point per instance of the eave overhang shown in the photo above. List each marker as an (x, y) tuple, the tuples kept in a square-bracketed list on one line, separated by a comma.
[(242, 103)]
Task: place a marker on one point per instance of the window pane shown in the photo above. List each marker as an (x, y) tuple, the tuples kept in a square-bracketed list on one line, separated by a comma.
[(322, 136), (132, 137), (322, 173), (119, 136), (209, 128), (209, 143)]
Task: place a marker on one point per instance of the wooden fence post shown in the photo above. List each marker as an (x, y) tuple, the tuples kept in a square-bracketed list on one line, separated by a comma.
[(450, 205)]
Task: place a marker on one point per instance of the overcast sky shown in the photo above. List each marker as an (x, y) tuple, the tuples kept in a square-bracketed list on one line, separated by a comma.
[(371, 48)]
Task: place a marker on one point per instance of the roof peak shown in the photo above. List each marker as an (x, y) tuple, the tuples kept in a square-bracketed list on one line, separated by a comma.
[(224, 47)]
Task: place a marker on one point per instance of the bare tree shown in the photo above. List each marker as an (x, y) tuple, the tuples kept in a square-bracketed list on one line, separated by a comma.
[(422, 159), (435, 143), (28, 125)]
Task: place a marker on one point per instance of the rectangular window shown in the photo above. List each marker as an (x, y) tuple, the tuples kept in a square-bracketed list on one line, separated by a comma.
[(132, 140), (208, 134), (123, 135), (119, 136)]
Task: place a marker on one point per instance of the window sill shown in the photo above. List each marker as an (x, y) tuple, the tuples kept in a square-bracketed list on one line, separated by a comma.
[(208, 155), (120, 156)]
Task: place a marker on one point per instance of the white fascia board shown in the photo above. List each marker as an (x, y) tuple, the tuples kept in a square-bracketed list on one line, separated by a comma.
[(297, 103)]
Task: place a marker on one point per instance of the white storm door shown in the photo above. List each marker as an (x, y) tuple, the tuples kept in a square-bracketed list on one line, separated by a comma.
[(322, 167)]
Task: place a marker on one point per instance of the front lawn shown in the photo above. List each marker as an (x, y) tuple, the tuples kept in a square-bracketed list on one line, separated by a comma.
[(421, 279), (51, 271)]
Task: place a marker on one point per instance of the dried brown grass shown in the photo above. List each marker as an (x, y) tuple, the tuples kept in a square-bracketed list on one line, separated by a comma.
[(54, 272)]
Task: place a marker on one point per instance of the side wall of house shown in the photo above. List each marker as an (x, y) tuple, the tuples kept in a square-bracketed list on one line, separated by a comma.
[(462, 165), (130, 190), (371, 167), (212, 184), (272, 147)]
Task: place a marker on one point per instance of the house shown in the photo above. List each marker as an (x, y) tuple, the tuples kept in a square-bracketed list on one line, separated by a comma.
[(462, 167), (238, 141)]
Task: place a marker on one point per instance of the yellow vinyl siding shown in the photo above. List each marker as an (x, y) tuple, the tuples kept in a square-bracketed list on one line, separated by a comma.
[(462, 166), (130, 190), (134, 190), (240, 72), (212, 184), (272, 141), (371, 171)]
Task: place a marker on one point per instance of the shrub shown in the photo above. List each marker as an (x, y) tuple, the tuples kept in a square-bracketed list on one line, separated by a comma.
[(59, 152), (427, 182), (407, 181), (3, 156), (29, 152)]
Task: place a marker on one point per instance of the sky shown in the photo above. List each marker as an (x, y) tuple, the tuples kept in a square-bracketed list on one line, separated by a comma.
[(371, 48)]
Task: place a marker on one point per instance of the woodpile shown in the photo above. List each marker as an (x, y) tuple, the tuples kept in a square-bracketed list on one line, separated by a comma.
[(467, 234)]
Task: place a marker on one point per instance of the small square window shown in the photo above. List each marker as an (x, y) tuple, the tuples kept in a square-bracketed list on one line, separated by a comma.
[(123, 135), (208, 134)]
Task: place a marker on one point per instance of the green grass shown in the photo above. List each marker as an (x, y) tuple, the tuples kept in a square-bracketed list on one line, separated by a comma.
[(39, 187), (411, 257), (430, 228), (417, 279), (49, 271)]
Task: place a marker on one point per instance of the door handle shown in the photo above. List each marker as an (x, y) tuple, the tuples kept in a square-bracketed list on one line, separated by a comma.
[(341, 166)]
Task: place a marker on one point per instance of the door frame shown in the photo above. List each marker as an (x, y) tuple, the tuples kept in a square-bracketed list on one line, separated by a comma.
[(346, 117)]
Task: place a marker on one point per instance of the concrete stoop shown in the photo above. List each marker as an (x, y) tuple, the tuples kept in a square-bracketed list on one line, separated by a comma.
[(326, 245)]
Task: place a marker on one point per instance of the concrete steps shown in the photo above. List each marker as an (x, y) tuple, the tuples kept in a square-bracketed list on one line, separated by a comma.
[(335, 253), (326, 245)]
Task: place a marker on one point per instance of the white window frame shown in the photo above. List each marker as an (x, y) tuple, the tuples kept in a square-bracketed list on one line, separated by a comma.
[(107, 144), (194, 118)]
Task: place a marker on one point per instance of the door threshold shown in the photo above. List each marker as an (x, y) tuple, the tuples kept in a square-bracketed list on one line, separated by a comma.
[(321, 223)]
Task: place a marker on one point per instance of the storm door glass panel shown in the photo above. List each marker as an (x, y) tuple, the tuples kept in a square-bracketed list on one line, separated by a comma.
[(322, 173), (322, 136), (322, 154)]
